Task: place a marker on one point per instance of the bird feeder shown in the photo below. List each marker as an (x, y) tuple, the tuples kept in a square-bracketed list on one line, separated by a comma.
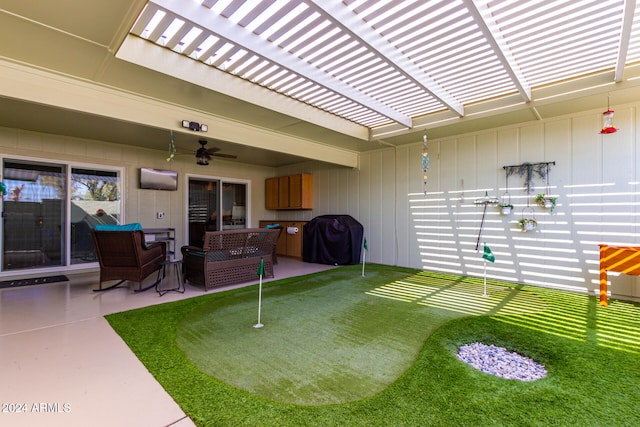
[(607, 122)]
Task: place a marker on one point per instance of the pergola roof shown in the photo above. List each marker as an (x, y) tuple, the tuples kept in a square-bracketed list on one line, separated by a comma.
[(381, 63)]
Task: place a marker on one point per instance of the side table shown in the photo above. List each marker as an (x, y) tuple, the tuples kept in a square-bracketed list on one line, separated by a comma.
[(177, 265)]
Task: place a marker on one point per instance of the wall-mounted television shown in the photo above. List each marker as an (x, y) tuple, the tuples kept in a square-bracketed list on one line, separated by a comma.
[(158, 179)]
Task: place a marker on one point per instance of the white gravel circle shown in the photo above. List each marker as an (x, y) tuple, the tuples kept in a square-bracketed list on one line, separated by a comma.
[(501, 362)]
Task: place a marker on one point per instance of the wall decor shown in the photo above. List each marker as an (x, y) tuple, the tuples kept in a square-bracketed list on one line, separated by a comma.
[(425, 162), (484, 201), (529, 171)]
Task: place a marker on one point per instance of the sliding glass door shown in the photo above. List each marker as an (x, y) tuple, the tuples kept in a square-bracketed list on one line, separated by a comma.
[(33, 215), (49, 211), (215, 205), (204, 196), (95, 199), (234, 205)]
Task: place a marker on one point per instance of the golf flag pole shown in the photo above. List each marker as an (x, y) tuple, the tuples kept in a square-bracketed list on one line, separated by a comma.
[(484, 294), (366, 248), (487, 256), (260, 273)]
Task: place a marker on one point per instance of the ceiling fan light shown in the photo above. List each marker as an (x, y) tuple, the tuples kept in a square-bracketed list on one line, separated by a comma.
[(203, 160)]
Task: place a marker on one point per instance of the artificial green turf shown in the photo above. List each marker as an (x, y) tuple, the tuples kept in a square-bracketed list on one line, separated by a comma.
[(592, 353), (325, 340)]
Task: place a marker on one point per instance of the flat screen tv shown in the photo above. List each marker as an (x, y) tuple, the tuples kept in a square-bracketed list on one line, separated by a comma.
[(158, 179)]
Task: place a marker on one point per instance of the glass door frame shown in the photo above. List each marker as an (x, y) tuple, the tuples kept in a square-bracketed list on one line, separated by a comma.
[(68, 166), (33, 215), (221, 181)]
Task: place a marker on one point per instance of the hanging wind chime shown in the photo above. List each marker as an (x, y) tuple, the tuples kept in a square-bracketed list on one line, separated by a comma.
[(425, 162), (607, 120), (172, 147)]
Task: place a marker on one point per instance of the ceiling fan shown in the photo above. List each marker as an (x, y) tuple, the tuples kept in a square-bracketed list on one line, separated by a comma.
[(204, 154)]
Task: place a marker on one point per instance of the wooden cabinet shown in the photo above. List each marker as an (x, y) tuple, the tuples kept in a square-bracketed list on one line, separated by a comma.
[(289, 244), (301, 191), (294, 241), (289, 192), (271, 193), (283, 192)]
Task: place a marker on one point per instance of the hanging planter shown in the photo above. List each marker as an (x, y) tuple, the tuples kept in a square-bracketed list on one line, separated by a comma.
[(546, 202), (505, 200), (528, 223), (506, 209), (505, 204)]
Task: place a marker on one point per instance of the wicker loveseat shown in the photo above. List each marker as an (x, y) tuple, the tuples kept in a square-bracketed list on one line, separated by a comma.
[(229, 257)]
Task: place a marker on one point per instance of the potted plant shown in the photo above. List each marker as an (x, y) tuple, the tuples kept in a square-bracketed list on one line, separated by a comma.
[(527, 224), (506, 208), (545, 201), (505, 203)]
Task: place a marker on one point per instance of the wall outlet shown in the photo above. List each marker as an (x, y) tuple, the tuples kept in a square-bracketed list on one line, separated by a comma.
[(160, 215)]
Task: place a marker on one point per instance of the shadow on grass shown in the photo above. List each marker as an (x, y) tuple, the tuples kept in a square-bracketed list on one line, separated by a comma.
[(591, 353)]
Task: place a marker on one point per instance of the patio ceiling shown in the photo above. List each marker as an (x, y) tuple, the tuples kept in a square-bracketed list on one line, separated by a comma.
[(391, 65)]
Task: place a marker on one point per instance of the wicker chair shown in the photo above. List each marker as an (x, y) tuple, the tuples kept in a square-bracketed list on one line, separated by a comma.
[(124, 255)]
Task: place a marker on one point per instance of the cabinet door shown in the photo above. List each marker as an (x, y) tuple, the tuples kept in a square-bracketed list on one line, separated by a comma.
[(295, 191), (271, 193), (306, 191), (301, 191), (283, 192), (281, 246), (294, 241), (289, 192)]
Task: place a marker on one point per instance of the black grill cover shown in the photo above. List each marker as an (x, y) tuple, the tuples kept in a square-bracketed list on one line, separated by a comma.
[(332, 239)]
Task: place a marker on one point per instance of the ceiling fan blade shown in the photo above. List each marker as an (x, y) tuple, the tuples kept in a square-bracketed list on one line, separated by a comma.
[(207, 153), (202, 152)]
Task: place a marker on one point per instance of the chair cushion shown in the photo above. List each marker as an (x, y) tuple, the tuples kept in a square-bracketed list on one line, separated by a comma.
[(119, 227)]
